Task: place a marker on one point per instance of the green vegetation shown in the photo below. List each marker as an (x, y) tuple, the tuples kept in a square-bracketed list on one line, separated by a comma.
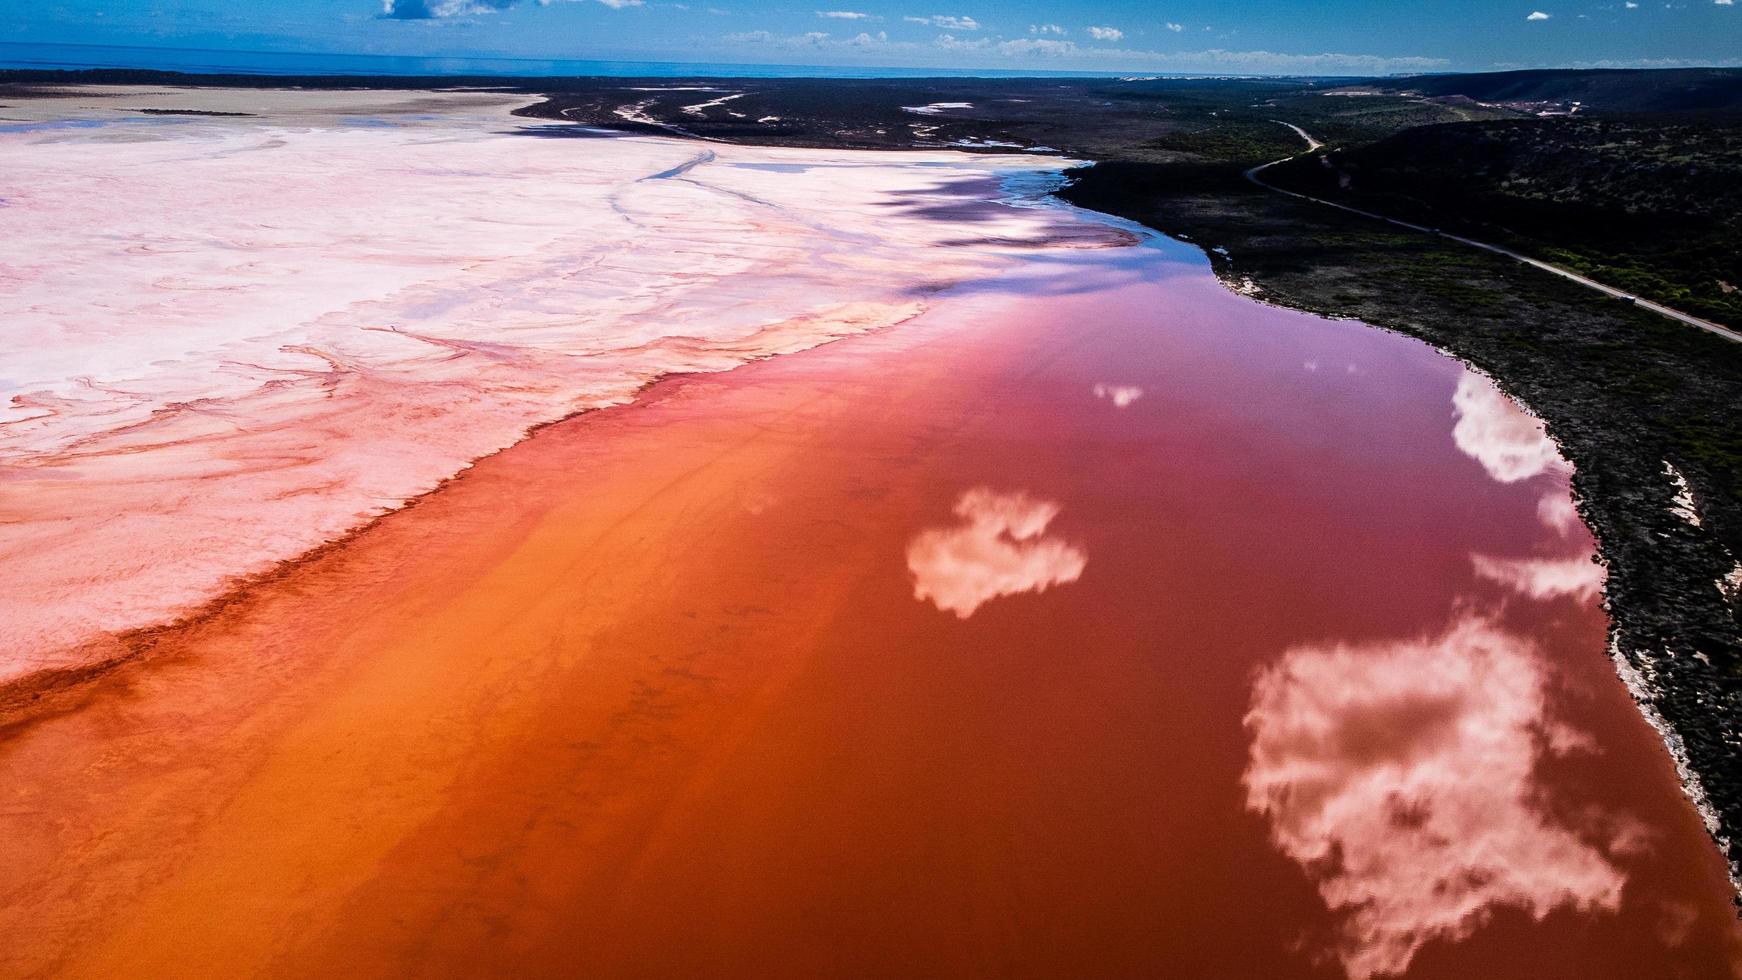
[(1649, 207), (1701, 91)]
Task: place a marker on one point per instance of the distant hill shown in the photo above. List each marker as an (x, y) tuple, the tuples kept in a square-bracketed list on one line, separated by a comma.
[(1596, 90)]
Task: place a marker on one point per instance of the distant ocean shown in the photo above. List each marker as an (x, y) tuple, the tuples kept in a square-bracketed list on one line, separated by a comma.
[(208, 62)]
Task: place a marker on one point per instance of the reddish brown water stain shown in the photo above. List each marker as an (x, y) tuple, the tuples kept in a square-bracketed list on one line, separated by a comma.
[(1201, 670)]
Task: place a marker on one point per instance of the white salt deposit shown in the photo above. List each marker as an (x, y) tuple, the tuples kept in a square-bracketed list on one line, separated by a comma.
[(226, 341)]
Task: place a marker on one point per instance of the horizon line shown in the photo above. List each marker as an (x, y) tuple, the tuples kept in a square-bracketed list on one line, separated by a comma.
[(866, 71)]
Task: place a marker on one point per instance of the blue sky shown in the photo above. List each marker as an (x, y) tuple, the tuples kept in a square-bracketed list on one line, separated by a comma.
[(1270, 36)]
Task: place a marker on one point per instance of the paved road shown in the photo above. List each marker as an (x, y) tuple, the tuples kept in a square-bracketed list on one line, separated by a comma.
[(1313, 146)]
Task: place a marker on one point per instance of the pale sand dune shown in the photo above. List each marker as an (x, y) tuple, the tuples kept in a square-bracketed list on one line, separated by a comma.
[(228, 341)]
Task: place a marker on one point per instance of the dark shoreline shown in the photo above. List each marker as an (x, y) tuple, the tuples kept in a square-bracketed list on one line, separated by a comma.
[(1608, 381), (1623, 391)]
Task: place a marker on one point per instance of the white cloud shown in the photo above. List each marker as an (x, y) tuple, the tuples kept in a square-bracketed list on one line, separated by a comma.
[(1120, 395), (844, 15), (1046, 29), (1068, 54), (1043, 47), (1000, 548), (439, 9), (953, 43), (1538, 15), (946, 22), (1544, 578), (1653, 63), (1725, 3), (1176, 28), (1218, 60), (863, 41), (1491, 429), (1556, 511), (1402, 778), (1106, 33), (1630, 5)]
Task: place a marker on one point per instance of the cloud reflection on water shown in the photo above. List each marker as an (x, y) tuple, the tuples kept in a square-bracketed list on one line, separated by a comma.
[(1544, 578), (1557, 512), (1491, 429), (998, 550), (1400, 776), (1120, 395)]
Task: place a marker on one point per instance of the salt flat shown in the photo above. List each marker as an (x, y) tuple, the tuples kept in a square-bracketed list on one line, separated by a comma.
[(229, 339)]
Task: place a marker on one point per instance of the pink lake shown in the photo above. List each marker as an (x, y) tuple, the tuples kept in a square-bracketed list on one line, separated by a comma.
[(1066, 614)]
